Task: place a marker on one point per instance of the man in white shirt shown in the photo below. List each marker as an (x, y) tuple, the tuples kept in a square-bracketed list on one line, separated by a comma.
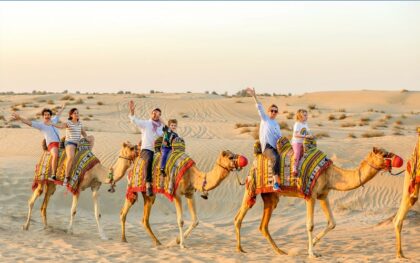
[(151, 129), (269, 134)]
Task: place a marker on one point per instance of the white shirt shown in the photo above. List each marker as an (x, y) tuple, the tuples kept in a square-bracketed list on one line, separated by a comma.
[(302, 129), (73, 131), (148, 135), (51, 133), (269, 129)]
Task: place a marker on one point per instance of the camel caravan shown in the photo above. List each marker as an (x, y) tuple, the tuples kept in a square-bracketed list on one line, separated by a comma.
[(159, 164)]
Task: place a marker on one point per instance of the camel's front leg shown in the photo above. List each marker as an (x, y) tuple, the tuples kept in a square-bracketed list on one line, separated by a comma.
[(310, 205), (180, 220), (148, 203), (325, 205), (97, 213), (238, 221), (123, 216), (49, 191), (398, 222), (193, 213), (31, 201), (270, 203), (73, 213)]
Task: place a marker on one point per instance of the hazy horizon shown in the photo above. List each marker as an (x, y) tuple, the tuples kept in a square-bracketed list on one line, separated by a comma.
[(277, 47)]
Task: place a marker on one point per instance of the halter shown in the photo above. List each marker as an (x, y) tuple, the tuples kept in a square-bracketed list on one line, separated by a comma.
[(372, 166), (126, 158)]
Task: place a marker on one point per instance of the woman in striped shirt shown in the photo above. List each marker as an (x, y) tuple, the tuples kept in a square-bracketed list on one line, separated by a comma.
[(74, 132)]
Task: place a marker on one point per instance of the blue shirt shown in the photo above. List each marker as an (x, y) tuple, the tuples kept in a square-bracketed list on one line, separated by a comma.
[(269, 129)]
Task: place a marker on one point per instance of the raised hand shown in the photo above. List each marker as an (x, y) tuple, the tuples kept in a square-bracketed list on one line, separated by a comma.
[(15, 116), (250, 91)]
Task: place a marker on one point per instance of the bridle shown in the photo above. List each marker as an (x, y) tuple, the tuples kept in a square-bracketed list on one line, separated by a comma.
[(237, 168), (377, 168)]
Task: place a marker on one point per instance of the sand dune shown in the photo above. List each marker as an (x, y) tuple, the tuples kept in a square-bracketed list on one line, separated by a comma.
[(207, 122)]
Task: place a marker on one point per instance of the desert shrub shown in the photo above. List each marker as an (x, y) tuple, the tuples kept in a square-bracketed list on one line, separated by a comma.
[(387, 117), (398, 122), (342, 116), (312, 106), (86, 119), (348, 124), (67, 97), (403, 116), (245, 130), (398, 133), (90, 115), (331, 117), (89, 97), (100, 103), (370, 110), (284, 126), (290, 115), (87, 107), (341, 110), (285, 111), (41, 100), (319, 124), (371, 134), (320, 135), (365, 119), (255, 134), (2, 118), (242, 125), (78, 101), (351, 135), (239, 101)]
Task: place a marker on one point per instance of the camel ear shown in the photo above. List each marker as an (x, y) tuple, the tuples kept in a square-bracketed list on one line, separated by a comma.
[(224, 153), (375, 150), (124, 144)]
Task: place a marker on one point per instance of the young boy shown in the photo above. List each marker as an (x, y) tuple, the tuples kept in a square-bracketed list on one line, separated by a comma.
[(169, 134)]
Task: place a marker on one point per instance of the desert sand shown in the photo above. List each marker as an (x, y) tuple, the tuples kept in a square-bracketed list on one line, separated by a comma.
[(207, 122)]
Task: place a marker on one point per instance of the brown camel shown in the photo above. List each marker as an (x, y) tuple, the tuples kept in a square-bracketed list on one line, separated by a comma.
[(93, 178), (191, 181), (410, 193), (333, 178)]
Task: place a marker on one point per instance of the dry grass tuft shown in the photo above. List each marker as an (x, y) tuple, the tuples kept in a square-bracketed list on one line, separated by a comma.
[(284, 126), (67, 97), (290, 115), (351, 135), (398, 122), (242, 125), (342, 116), (100, 103), (348, 124), (371, 134), (312, 107), (245, 130), (331, 117), (321, 135), (341, 110)]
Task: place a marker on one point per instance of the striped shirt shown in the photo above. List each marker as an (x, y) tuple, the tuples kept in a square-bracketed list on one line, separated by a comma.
[(73, 131)]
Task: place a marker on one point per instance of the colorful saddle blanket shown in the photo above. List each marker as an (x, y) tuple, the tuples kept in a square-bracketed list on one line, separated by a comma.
[(413, 168), (177, 164), (84, 160), (311, 165)]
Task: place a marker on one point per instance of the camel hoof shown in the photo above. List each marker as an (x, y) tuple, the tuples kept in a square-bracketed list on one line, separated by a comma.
[(25, 227), (314, 255), (239, 249), (157, 243), (124, 240), (401, 256), (178, 241)]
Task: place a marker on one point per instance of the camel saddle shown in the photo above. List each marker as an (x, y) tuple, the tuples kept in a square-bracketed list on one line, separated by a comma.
[(177, 164), (84, 160), (311, 165)]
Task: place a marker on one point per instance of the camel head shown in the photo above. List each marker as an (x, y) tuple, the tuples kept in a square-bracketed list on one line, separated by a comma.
[(380, 159), (126, 156), (231, 161)]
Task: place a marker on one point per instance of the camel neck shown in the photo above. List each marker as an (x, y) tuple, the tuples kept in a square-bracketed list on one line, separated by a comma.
[(212, 178)]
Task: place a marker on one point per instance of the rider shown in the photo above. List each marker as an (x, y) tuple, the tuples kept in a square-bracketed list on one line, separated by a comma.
[(269, 134), (51, 134), (150, 129)]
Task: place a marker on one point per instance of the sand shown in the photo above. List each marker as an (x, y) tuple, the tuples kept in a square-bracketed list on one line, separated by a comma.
[(207, 122)]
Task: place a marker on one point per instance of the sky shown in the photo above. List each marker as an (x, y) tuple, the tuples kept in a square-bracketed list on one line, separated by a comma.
[(280, 47)]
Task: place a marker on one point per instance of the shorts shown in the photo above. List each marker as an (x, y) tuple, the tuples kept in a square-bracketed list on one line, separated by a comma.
[(70, 143), (53, 145)]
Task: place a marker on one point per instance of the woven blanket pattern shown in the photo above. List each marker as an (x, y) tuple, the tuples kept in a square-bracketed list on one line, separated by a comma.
[(311, 165), (413, 168), (83, 162), (176, 166)]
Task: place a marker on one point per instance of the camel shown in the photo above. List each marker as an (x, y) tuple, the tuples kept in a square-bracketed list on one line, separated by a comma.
[(333, 178), (192, 180), (411, 184), (93, 178)]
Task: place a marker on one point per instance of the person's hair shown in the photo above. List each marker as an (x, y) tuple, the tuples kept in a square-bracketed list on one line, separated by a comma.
[(299, 114), (172, 121), (273, 106), (46, 110), (71, 112), (157, 109)]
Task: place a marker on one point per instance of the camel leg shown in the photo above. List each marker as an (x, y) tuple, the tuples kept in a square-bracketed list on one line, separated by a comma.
[(194, 218), (49, 191), (148, 203), (310, 205), (97, 213), (180, 220), (325, 205), (31, 201), (73, 213), (270, 203), (398, 222), (123, 217), (238, 222)]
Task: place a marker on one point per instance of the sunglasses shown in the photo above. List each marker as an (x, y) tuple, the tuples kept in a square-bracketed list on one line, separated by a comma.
[(274, 111)]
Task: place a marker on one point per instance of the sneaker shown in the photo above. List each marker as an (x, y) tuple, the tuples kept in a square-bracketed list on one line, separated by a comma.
[(162, 172), (65, 182), (276, 186), (149, 191), (52, 178)]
